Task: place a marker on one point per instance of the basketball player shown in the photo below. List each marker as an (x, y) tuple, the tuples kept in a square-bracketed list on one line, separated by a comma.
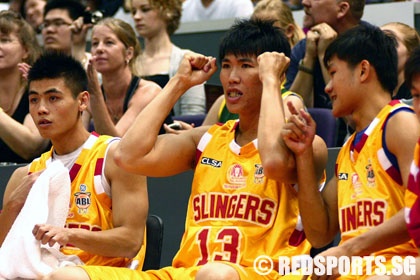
[(108, 206), (373, 165), (243, 201)]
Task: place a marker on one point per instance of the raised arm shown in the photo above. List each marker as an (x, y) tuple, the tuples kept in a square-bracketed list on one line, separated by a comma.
[(140, 150), (277, 159)]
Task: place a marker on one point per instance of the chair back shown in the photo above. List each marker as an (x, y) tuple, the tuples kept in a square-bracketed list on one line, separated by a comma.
[(326, 125), (154, 241), (212, 92)]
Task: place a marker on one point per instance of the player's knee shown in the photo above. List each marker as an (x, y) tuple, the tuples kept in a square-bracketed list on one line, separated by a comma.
[(217, 271), (67, 273)]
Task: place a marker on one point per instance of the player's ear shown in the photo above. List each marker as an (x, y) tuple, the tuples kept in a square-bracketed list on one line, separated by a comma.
[(364, 69), (83, 100)]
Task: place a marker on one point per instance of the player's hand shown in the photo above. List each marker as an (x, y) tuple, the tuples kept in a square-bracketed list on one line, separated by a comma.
[(272, 65), (195, 69), (50, 235), (299, 131)]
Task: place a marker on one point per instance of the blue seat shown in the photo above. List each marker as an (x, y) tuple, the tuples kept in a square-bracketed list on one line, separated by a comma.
[(326, 125)]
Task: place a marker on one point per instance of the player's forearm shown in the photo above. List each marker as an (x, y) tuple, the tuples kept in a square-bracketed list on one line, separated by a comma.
[(117, 242), (390, 233), (277, 160), (312, 207), (8, 216)]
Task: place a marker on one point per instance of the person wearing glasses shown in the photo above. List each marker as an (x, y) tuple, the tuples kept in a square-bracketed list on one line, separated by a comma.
[(59, 32)]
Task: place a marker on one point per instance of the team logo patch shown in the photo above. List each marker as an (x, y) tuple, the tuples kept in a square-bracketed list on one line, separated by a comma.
[(236, 177), (357, 185), (82, 199), (370, 174), (259, 174)]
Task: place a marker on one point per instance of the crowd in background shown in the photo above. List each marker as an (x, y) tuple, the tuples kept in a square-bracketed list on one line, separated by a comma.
[(139, 81)]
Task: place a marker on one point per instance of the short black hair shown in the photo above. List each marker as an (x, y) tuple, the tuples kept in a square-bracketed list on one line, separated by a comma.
[(73, 7), (367, 42), (53, 65), (253, 37)]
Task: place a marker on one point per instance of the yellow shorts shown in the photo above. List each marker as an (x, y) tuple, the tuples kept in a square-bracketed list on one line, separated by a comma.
[(167, 273)]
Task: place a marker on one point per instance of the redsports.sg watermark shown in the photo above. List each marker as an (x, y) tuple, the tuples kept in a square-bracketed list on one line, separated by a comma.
[(320, 265)]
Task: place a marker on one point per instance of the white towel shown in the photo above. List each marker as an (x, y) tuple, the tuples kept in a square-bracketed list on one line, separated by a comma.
[(21, 255)]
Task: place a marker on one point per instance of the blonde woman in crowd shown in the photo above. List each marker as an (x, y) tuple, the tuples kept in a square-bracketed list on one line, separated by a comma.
[(282, 15), (155, 22), (123, 94), (407, 40), (20, 140)]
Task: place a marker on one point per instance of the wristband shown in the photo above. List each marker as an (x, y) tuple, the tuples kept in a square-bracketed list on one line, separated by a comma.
[(305, 69)]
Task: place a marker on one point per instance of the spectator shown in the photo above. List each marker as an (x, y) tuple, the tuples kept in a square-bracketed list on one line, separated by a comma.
[(306, 74), (62, 32), (278, 11), (373, 165), (215, 243), (33, 11), (407, 40), (197, 10), (123, 95), (156, 21), (117, 200), (20, 141)]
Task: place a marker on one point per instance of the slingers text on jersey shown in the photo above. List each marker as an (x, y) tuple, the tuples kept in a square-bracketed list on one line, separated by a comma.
[(363, 213), (239, 206)]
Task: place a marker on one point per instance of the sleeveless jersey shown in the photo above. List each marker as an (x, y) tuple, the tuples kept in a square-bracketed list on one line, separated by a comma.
[(370, 187), (412, 201), (89, 205), (235, 213)]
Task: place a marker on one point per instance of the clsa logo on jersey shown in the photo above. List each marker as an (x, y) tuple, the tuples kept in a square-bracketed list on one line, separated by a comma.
[(343, 176), (82, 199)]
